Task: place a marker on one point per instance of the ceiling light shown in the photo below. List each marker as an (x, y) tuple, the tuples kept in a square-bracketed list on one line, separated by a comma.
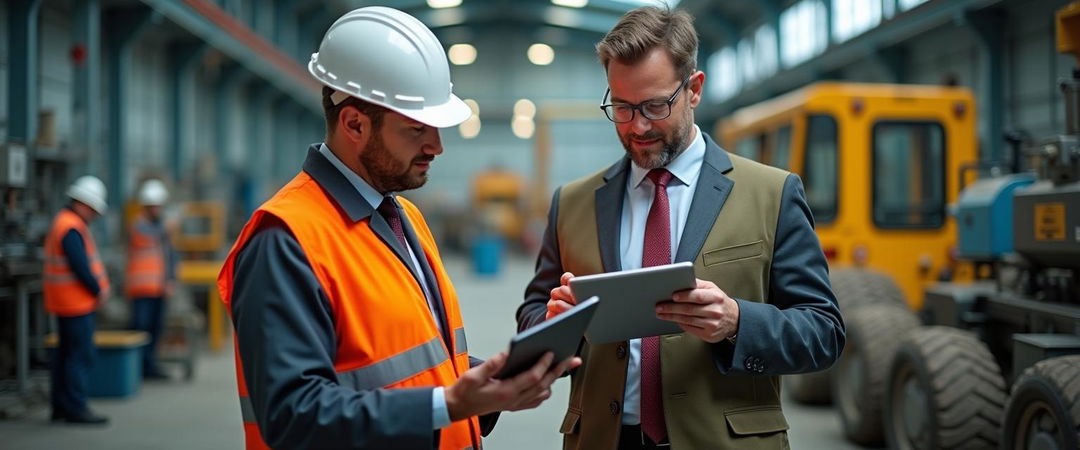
[(524, 108), (461, 54), (470, 128), (475, 107), (570, 3), (541, 54), (523, 127), (443, 3)]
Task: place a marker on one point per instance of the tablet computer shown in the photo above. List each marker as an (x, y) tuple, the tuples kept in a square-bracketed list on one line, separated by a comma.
[(628, 300), (560, 335)]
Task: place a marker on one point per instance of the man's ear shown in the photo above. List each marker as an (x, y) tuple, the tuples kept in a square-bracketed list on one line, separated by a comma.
[(354, 126), (696, 86)]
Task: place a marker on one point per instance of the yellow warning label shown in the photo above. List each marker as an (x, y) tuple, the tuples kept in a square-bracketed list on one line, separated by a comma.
[(1050, 222)]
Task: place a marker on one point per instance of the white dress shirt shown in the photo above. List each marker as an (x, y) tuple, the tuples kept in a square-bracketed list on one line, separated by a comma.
[(636, 203), (440, 414)]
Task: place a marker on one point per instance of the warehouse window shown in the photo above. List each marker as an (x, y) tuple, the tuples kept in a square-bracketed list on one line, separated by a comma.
[(909, 175), (908, 4), (723, 75), (802, 32), (820, 168), (747, 62), (852, 17), (765, 49)]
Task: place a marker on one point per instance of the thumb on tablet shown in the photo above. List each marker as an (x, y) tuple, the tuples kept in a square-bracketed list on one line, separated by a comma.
[(565, 279)]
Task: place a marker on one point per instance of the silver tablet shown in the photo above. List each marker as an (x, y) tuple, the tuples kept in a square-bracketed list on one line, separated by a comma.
[(628, 300), (560, 335)]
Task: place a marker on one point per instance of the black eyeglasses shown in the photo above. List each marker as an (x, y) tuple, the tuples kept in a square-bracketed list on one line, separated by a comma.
[(652, 110)]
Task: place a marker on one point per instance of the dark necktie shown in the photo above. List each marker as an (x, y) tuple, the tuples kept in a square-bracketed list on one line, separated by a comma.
[(388, 209), (655, 252)]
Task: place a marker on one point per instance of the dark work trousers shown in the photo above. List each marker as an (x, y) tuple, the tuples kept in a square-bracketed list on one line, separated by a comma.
[(148, 314), (71, 364)]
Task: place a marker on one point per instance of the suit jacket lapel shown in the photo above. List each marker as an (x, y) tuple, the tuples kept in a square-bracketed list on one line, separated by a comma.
[(709, 196), (609, 207)]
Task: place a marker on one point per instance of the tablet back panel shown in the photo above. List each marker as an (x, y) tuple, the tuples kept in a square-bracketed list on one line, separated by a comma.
[(628, 300)]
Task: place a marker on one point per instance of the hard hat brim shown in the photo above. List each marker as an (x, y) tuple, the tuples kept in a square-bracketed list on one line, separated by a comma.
[(446, 115)]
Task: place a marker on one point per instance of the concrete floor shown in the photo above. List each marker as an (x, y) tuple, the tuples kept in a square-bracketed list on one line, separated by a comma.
[(204, 414)]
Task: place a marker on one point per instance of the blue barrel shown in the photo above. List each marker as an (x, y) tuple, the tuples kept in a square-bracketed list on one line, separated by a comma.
[(487, 254)]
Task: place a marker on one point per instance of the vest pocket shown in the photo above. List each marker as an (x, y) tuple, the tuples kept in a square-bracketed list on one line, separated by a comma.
[(756, 420), (570, 422), (733, 253)]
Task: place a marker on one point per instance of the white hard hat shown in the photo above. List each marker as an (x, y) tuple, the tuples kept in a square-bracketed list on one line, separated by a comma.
[(153, 193), (90, 190), (389, 58)]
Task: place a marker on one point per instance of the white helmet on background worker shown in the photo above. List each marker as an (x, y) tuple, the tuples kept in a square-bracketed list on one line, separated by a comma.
[(153, 193), (89, 190), (389, 58)]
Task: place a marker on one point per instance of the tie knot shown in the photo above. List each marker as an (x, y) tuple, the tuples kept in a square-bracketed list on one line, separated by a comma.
[(660, 177), (387, 208)]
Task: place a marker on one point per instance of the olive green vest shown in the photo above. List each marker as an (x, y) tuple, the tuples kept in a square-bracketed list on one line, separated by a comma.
[(703, 408)]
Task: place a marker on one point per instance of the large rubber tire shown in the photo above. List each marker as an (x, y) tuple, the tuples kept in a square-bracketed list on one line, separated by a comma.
[(1044, 409), (809, 388), (860, 375), (945, 392), (855, 287)]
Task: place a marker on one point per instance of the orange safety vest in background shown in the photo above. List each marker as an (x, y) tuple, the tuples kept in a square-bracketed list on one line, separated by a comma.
[(146, 261), (380, 344), (65, 295)]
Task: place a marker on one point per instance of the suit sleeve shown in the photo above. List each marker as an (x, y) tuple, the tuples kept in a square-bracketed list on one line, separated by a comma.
[(548, 272), (75, 253), (800, 328), (285, 332)]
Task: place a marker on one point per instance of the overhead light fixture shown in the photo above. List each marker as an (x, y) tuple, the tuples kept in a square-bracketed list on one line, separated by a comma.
[(523, 127), (524, 108), (443, 3), (461, 54), (475, 107), (470, 128), (570, 3), (541, 54)]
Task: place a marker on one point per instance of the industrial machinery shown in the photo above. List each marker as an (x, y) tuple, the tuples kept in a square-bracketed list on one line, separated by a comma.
[(999, 362), (884, 244)]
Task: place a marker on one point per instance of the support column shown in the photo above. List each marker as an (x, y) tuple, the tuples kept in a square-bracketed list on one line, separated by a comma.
[(86, 101), (228, 81), (260, 131), (772, 10), (989, 28), (285, 26), (184, 58), (284, 118), (124, 25), (23, 72)]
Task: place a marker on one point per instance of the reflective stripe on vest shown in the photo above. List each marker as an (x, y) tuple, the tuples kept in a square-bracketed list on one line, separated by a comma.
[(460, 346), (65, 294), (396, 368), (379, 344)]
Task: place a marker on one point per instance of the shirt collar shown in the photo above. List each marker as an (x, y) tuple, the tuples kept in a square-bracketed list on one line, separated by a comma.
[(685, 166), (369, 193)]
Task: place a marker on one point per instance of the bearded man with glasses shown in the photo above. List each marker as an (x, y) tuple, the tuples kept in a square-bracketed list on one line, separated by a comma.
[(762, 306)]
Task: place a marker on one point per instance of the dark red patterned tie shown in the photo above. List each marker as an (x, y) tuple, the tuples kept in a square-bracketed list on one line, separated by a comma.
[(655, 252), (389, 212)]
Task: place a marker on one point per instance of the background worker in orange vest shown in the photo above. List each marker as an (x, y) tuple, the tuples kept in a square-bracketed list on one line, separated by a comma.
[(348, 329), (151, 271), (75, 284)]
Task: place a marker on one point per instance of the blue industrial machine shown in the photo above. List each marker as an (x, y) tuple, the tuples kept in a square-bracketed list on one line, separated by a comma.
[(998, 364)]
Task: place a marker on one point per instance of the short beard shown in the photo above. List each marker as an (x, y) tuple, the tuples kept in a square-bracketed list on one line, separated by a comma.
[(387, 174), (668, 151)]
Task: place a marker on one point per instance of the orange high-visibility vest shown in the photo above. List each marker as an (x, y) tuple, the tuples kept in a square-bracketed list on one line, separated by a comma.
[(146, 261), (380, 344), (65, 295)]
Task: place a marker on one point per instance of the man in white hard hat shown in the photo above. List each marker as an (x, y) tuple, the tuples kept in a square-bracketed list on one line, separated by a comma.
[(151, 271), (348, 330), (75, 284)]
